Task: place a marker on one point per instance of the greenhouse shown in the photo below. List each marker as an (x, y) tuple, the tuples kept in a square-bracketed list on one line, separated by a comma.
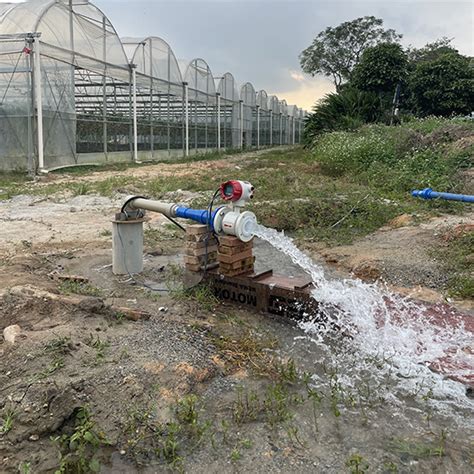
[(73, 92)]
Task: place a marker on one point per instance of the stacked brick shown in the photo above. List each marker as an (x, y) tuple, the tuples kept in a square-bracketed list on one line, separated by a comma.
[(235, 257), (199, 242)]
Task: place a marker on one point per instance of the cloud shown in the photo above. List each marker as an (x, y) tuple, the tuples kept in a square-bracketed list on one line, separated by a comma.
[(297, 76), (307, 92)]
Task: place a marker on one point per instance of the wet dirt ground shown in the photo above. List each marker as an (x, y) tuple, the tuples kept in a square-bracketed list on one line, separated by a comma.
[(194, 385)]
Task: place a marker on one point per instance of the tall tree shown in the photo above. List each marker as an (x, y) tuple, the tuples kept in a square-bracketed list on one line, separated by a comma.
[(443, 86), (380, 68), (336, 50)]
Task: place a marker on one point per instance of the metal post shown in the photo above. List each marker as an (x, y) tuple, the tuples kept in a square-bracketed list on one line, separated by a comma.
[(294, 129), (39, 102), (135, 122), (218, 121), (241, 124), (258, 127), (186, 118), (271, 127), (104, 89), (281, 129), (31, 161)]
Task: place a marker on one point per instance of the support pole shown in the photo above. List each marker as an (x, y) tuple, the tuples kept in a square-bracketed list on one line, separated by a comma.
[(258, 127), (186, 119), (241, 103), (281, 129), (294, 129), (135, 120), (39, 102), (218, 121), (271, 127)]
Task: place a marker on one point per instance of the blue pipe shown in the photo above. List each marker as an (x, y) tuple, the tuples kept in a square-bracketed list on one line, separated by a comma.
[(428, 193), (201, 216)]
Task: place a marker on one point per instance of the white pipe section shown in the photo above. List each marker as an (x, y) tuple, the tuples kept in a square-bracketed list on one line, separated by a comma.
[(39, 102), (164, 208), (218, 121), (135, 121), (186, 118)]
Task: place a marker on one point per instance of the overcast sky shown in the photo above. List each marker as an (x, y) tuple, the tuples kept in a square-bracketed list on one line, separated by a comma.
[(260, 40)]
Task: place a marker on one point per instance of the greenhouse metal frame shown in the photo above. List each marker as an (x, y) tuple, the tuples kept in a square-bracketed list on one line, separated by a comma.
[(72, 92)]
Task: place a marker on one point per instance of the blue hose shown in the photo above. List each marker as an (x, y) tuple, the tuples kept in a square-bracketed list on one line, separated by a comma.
[(428, 193)]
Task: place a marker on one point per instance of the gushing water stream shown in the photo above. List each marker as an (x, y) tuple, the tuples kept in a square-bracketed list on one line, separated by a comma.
[(382, 336)]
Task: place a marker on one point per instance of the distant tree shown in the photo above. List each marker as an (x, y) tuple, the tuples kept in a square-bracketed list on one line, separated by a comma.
[(443, 86), (336, 51), (346, 110), (431, 51), (381, 68)]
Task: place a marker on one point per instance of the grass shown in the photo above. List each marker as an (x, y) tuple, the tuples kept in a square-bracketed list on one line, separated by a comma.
[(456, 256), (78, 450), (7, 421), (416, 449)]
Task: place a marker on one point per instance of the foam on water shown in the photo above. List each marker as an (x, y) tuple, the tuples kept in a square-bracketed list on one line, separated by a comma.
[(381, 335)]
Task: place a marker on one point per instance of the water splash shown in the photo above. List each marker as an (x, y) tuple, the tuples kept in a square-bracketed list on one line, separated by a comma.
[(382, 335)]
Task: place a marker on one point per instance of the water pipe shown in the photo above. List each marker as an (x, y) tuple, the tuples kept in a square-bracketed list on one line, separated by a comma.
[(428, 193), (226, 220), (127, 230)]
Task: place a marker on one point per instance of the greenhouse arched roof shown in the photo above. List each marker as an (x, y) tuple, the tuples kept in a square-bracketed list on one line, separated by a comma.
[(227, 88)]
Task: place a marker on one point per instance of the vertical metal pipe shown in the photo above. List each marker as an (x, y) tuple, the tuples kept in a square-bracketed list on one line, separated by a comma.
[(39, 102), (104, 89), (271, 127), (258, 127), (30, 102), (135, 118), (186, 119), (294, 129), (241, 124), (281, 129), (218, 121)]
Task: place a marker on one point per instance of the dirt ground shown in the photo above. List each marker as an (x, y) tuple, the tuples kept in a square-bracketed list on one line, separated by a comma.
[(193, 385)]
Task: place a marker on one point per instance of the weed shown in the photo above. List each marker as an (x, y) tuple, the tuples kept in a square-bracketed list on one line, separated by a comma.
[(287, 372), (420, 449), (235, 455), (247, 407), (69, 287), (293, 435), (78, 450), (99, 345), (186, 410), (248, 349), (56, 364), (246, 443), (390, 467), (105, 233), (24, 467), (357, 464), (81, 189), (201, 295), (277, 404), (59, 345), (7, 421)]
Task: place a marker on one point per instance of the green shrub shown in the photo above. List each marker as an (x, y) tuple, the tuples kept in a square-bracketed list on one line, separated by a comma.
[(398, 159), (347, 110)]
